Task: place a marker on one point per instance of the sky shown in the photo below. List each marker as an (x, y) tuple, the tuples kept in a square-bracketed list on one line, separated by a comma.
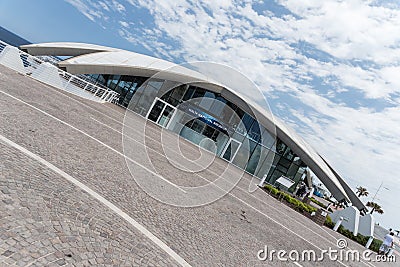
[(330, 69)]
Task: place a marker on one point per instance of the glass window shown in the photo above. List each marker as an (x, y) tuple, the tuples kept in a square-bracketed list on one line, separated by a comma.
[(247, 121), (94, 76), (208, 131), (275, 160), (178, 92), (207, 100), (245, 124), (254, 132), (236, 118), (242, 157), (113, 81), (144, 97), (275, 175), (198, 126), (289, 154), (155, 84), (252, 145), (102, 79), (189, 93), (218, 106), (281, 168), (156, 111), (292, 171), (199, 92), (228, 111), (238, 137), (280, 147), (130, 85), (254, 159), (189, 124), (231, 150), (267, 139), (166, 95), (284, 162), (266, 161)]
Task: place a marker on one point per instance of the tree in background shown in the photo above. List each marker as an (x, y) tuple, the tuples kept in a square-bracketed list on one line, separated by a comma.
[(375, 207), (362, 191)]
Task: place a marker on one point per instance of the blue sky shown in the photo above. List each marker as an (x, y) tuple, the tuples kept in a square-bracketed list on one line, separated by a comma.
[(328, 68)]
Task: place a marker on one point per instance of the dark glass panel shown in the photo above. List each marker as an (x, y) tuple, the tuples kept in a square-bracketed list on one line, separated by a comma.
[(289, 154), (267, 139), (156, 111), (113, 81), (178, 92), (218, 106), (198, 126), (208, 131), (189, 93), (254, 132), (254, 159), (284, 162), (280, 147), (207, 101)]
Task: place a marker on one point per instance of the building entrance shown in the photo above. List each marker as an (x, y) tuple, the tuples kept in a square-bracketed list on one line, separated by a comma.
[(204, 135), (161, 112), (231, 149)]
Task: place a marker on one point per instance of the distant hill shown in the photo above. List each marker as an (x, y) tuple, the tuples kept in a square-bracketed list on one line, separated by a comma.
[(11, 38)]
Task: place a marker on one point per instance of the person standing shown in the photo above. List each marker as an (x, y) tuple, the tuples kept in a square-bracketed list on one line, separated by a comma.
[(387, 244)]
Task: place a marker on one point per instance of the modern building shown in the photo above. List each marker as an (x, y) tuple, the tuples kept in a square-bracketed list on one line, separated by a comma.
[(201, 110)]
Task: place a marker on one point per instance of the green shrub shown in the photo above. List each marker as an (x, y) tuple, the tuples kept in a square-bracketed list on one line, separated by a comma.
[(271, 189), (329, 223), (375, 245), (319, 203), (298, 205)]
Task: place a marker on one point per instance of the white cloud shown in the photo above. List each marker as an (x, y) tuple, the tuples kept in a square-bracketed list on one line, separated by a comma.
[(104, 6), (348, 29), (124, 24), (118, 6), (82, 7)]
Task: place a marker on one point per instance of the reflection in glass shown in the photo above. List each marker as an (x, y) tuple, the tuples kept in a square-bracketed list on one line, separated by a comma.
[(156, 111)]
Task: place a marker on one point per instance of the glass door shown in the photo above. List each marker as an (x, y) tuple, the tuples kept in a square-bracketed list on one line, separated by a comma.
[(161, 112), (166, 115), (231, 149)]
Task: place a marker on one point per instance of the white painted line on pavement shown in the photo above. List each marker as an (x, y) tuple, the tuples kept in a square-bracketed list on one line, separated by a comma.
[(298, 264), (98, 197)]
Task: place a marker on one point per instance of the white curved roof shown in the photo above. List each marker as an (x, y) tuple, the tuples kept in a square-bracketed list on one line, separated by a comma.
[(127, 63), (64, 49), (94, 59)]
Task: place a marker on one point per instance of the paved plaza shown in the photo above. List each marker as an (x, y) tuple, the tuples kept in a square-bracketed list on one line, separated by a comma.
[(69, 196)]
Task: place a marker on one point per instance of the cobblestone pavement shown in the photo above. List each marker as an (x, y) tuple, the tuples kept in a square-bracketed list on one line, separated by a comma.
[(45, 220)]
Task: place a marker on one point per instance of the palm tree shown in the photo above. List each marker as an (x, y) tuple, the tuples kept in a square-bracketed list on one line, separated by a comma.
[(375, 207), (362, 191)]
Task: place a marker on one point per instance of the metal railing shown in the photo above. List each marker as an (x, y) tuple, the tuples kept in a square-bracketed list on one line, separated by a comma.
[(47, 72)]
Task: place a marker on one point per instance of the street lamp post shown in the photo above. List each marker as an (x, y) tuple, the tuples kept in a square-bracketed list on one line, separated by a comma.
[(379, 188)]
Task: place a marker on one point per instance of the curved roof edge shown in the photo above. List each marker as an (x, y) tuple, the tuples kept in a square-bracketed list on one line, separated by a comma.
[(64, 49), (91, 59)]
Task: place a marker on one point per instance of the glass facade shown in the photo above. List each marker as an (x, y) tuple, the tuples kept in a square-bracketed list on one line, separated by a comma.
[(198, 114), (125, 85)]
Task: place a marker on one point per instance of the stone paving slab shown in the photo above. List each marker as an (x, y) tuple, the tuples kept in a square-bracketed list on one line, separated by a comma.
[(46, 220), (38, 207)]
